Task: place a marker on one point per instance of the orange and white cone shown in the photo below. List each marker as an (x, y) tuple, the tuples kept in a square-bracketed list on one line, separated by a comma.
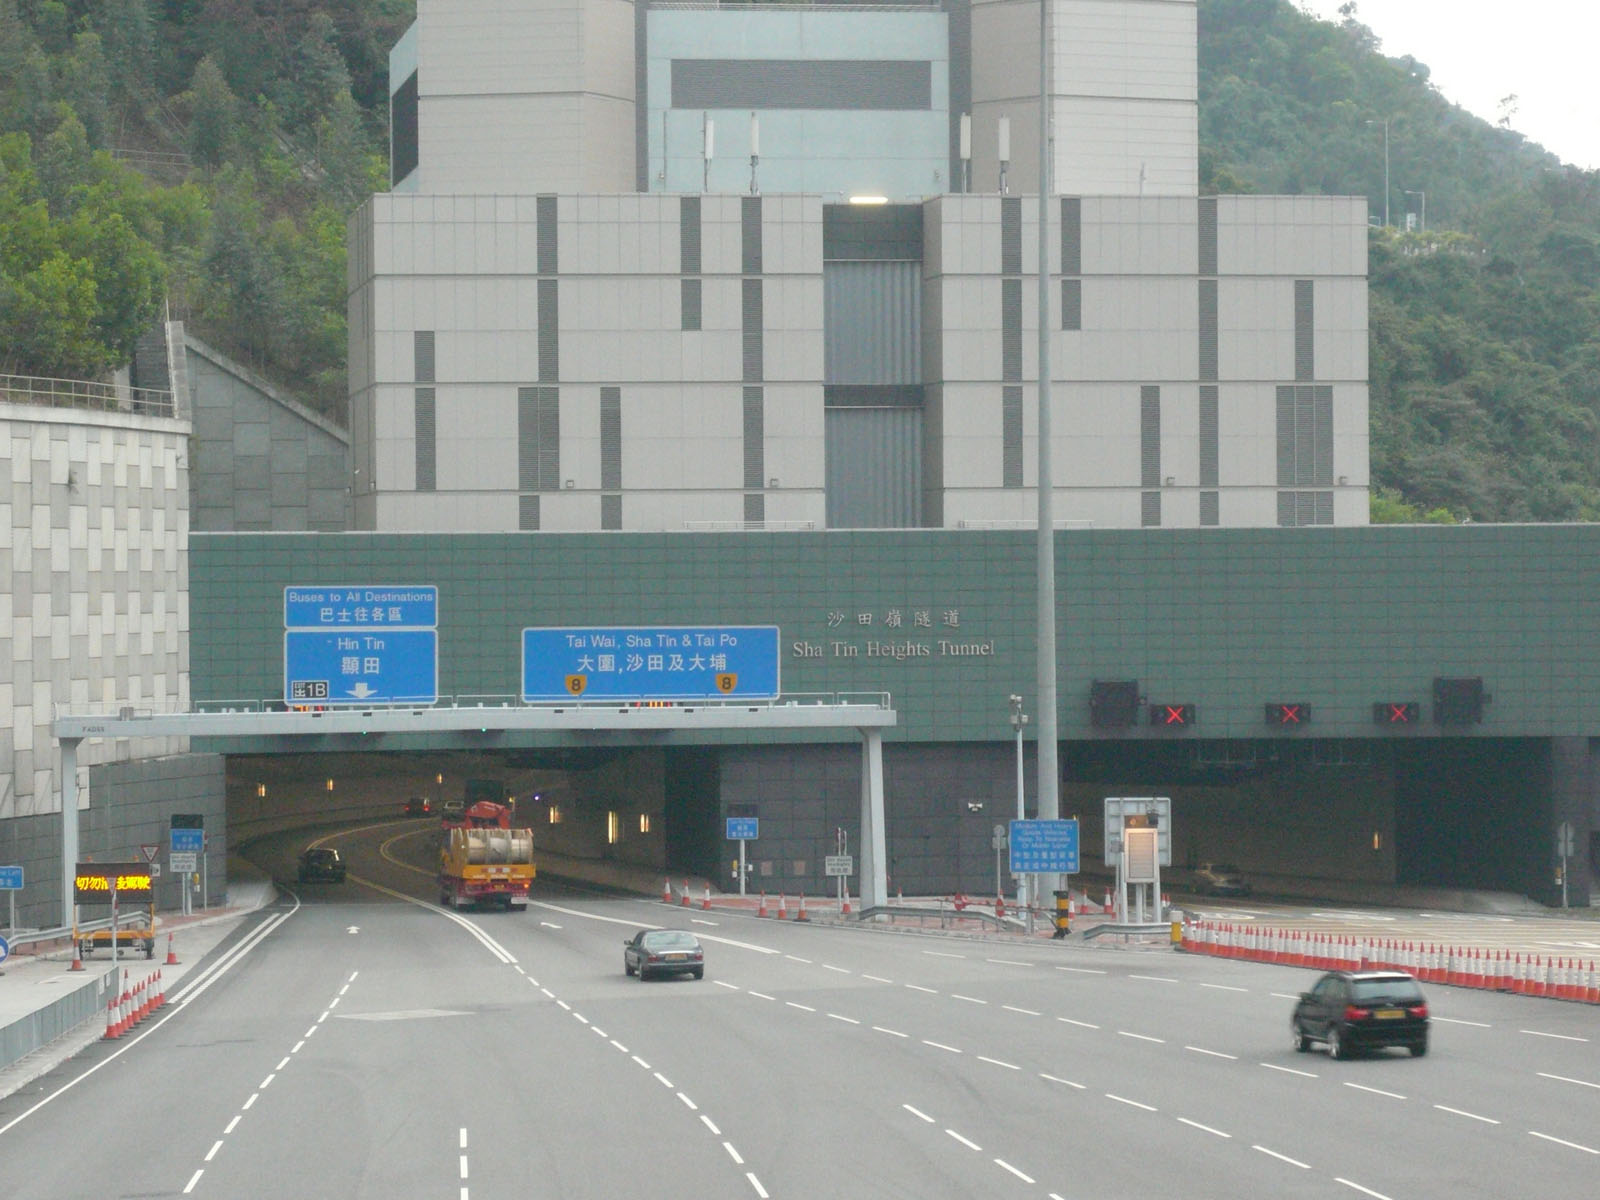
[(783, 907), (172, 957), (801, 915), (844, 907), (113, 1028), (685, 903), (762, 911), (666, 891), (705, 901)]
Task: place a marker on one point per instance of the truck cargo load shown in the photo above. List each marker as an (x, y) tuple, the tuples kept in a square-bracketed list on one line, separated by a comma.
[(485, 866)]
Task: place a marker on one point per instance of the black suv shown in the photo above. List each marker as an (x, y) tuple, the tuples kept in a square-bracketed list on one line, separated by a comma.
[(321, 864), (1362, 1010)]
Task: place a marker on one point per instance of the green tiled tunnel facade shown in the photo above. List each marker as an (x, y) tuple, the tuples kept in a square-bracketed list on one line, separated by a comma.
[(944, 621)]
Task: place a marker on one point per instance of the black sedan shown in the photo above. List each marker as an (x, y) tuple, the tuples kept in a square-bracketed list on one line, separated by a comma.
[(663, 952), (320, 864), (1362, 1010)]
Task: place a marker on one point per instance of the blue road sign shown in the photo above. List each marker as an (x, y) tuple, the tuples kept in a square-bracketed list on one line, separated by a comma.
[(735, 662), (365, 606), (1044, 847), (361, 666), (10, 879), (743, 829), (5, 949), (187, 841)]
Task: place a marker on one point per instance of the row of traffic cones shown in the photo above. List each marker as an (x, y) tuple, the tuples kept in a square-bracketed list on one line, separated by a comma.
[(763, 911), (132, 1005)]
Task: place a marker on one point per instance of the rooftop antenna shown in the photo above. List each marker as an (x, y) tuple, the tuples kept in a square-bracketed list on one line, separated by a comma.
[(755, 152)]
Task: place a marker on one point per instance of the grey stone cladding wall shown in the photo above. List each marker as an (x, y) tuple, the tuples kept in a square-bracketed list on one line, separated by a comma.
[(94, 606), (261, 460)]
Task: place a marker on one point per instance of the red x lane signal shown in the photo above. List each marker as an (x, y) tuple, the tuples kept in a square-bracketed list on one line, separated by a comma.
[(1298, 713), (1172, 716), (1396, 712)]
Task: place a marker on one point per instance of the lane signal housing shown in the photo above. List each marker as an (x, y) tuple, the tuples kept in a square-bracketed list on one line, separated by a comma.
[(1396, 712), (1289, 715), (1172, 716)]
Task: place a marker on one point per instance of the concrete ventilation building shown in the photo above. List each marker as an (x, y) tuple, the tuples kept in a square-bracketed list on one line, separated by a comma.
[(620, 283)]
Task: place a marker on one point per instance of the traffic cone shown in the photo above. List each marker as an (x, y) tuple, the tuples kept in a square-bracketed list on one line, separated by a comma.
[(112, 1030), (762, 911), (801, 915), (844, 909), (77, 959), (783, 907), (1108, 910), (685, 902), (161, 990), (705, 901), (172, 957), (666, 891), (1000, 907)]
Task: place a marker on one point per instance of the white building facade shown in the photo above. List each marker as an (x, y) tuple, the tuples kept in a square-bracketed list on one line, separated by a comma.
[(620, 283)]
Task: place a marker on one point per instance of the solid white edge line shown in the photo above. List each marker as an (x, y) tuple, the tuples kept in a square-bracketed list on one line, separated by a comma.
[(1205, 1128)]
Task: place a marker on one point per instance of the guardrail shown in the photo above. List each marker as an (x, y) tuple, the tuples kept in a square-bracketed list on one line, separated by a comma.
[(87, 394), (34, 936), (945, 916)]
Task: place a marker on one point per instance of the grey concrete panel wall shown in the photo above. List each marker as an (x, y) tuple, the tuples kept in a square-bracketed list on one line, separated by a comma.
[(261, 460)]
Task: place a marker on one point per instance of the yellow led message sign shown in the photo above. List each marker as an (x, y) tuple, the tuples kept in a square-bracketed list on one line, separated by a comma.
[(94, 883)]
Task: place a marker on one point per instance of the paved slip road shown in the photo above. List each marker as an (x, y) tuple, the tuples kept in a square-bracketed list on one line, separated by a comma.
[(370, 1047)]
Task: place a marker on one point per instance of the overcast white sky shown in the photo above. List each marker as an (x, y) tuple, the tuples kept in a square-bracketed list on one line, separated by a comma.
[(1479, 51)]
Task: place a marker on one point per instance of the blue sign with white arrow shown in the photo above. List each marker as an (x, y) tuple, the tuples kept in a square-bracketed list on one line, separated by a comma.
[(1044, 847), (361, 666)]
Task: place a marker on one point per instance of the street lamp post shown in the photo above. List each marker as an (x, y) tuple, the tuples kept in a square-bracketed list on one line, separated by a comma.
[(1422, 215), (1385, 124), (1019, 720)]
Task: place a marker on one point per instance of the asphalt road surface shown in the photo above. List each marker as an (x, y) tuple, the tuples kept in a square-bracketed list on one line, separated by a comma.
[(362, 1042)]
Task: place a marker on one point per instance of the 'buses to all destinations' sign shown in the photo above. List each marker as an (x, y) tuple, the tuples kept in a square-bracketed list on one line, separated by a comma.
[(726, 662), (360, 644)]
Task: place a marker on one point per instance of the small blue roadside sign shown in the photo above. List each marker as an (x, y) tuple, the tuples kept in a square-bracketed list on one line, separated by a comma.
[(5, 949), (1044, 847), (10, 879), (743, 829), (366, 606), (361, 666), (727, 662), (187, 841)]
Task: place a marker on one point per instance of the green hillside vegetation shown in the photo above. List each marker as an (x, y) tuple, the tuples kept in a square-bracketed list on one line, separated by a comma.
[(198, 158)]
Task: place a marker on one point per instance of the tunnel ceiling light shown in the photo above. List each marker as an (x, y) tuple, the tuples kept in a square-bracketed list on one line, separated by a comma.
[(869, 199)]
